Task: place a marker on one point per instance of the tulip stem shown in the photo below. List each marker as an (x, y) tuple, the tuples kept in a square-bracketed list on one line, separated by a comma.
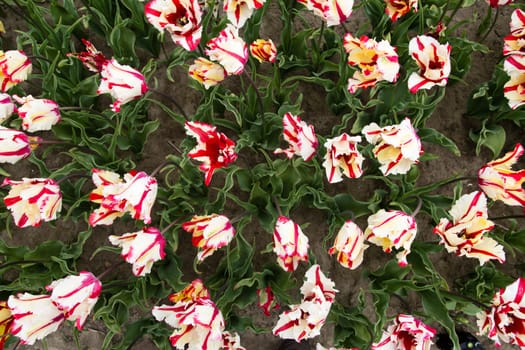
[(109, 269), (491, 25), (456, 9), (259, 97), (277, 206), (519, 216), (418, 208), (179, 107), (92, 111), (467, 298), (21, 262), (170, 225), (159, 167), (67, 177)]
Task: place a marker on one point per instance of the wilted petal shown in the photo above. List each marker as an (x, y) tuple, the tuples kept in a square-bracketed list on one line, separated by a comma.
[(32, 201)]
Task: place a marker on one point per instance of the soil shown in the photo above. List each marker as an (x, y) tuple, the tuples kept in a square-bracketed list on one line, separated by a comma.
[(448, 119)]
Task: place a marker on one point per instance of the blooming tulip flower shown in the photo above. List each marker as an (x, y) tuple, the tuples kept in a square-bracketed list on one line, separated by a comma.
[(122, 82), (180, 18), (206, 72), (343, 158), (263, 50), (392, 229), (376, 61), (464, 234), (141, 248), (334, 12), (499, 182), (300, 137), (231, 341), (266, 300), (229, 49), (15, 66), (407, 333), (198, 322), (76, 296), (349, 245), (498, 3), (135, 195), (290, 244), (7, 106), (513, 90), (34, 316), (433, 60), (514, 65), (398, 8), (505, 320), (15, 145), (210, 232), (214, 149), (32, 201), (6, 321), (397, 146), (38, 114), (514, 43), (304, 321), (239, 11)]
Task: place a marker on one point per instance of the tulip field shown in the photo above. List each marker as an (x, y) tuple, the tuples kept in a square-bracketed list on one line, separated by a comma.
[(226, 175)]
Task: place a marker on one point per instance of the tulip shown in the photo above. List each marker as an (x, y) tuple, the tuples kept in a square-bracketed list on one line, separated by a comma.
[(433, 60), (392, 229), (514, 43), (180, 18), (34, 316), (38, 114), (14, 145), (206, 72), (343, 158), (514, 90), (499, 182), (231, 341), (349, 245), (229, 49), (210, 232), (266, 300), (376, 61), (198, 322), (407, 333), (334, 12), (32, 201), (397, 148), (263, 50), (505, 320), (464, 235), (398, 8), (239, 11), (214, 149), (7, 106), (75, 296), (6, 321), (300, 137), (15, 66), (498, 3), (290, 244), (141, 248)]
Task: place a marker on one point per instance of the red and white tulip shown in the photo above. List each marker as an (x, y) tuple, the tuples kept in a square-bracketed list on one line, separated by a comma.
[(198, 322), (141, 248), (214, 149), (210, 232), (32, 201), (499, 182), (392, 229), (228, 49), (264, 50), (239, 11), (305, 320), (180, 18), (231, 341), (398, 8), (300, 137), (15, 145), (34, 317), (38, 114), (206, 72), (7, 106), (266, 300), (349, 245), (514, 89), (504, 322), (433, 60), (343, 158), (498, 3), (376, 61), (6, 321), (290, 244), (514, 43), (15, 66), (334, 12), (407, 333), (75, 296), (464, 235), (397, 148)]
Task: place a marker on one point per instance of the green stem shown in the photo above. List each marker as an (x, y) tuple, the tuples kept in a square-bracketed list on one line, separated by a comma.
[(109, 269), (456, 9), (443, 13), (159, 167), (467, 298), (259, 97), (491, 25), (418, 208), (67, 177), (179, 107), (277, 206)]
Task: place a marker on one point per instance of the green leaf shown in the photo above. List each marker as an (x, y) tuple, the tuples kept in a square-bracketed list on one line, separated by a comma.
[(434, 136), (436, 309)]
